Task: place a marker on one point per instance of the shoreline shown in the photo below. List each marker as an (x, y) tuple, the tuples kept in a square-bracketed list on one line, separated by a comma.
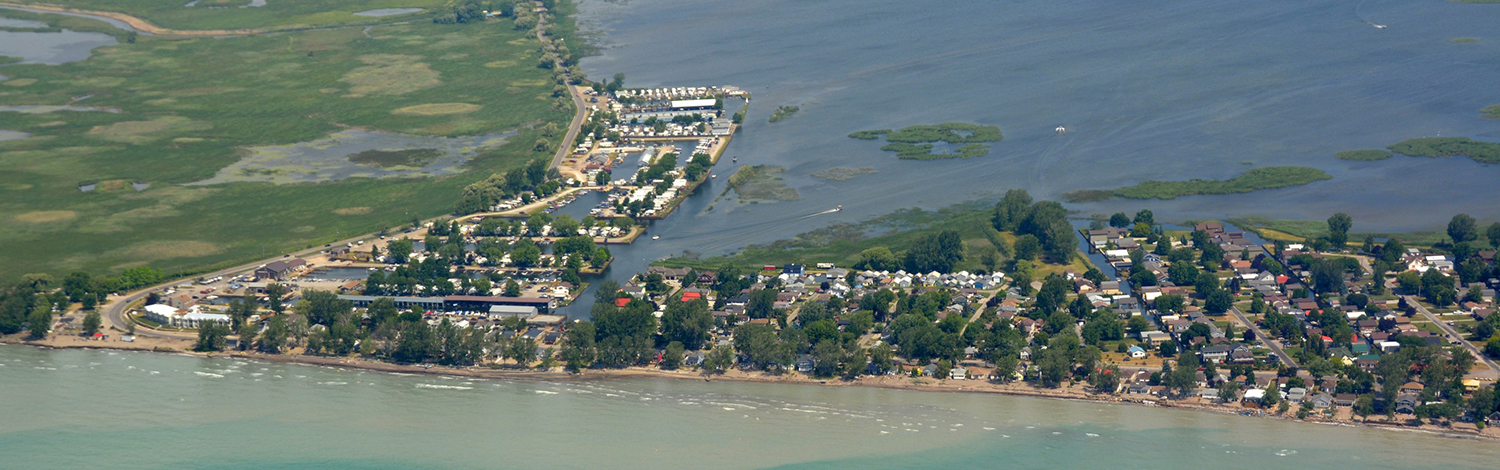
[(883, 382)]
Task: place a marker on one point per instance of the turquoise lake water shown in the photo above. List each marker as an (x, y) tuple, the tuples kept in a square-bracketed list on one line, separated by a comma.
[(136, 410)]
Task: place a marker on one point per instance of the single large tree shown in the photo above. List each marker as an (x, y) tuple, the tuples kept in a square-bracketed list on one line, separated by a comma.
[(1338, 229), (91, 323), (1463, 228)]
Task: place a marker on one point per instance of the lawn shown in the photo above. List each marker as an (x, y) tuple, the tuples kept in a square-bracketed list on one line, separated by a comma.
[(1300, 230), (189, 107), (227, 14)]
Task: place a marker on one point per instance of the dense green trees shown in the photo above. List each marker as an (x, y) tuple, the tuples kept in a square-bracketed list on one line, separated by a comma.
[(323, 307), (1045, 220), (762, 347), (212, 336), (579, 350), (762, 304), (274, 338), (938, 252), (687, 323), (877, 259)]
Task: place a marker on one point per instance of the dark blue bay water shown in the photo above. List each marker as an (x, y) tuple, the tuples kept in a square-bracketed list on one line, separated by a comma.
[(1164, 90)]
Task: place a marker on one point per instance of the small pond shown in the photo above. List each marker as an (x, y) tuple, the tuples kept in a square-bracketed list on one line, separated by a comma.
[(12, 135), (52, 48)]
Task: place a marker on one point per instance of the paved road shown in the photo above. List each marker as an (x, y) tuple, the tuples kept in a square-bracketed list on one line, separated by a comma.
[(567, 143), (1269, 340), (1453, 335), (573, 92)]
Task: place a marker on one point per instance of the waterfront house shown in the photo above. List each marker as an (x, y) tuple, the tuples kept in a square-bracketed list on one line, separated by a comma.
[(1407, 404), (1345, 399), (1321, 401)]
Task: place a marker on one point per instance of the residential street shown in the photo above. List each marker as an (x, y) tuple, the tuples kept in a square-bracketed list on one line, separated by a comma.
[(1454, 336), (1264, 338)]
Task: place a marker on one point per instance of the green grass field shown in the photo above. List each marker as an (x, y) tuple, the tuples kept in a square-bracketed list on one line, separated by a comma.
[(1299, 230), (842, 243), (227, 14), (188, 107)]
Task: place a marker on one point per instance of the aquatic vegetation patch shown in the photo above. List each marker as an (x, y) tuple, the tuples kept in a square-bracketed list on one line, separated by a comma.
[(390, 74), (44, 217), (1270, 177), (921, 142), (408, 158), (783, 112), (761, 183), (437, 109), (1491, 111), (140, 132), (1363, 155), (356, 154), (843, 174), (1483, 152), (302, 101)]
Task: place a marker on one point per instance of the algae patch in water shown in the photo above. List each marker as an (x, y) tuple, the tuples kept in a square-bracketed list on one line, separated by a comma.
[(408, 158), (356, 154), (843, 174)]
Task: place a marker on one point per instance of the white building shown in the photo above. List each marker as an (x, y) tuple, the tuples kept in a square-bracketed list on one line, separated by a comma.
[(193, 317)]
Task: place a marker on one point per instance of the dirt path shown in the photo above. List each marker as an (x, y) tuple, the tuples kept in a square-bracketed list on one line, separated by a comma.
[(134, 22)]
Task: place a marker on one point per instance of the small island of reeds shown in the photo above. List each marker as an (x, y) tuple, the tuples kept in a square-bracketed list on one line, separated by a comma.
[(1271, 177), (783, 112), (1364, 155), (1483, 152), (919, 142)]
